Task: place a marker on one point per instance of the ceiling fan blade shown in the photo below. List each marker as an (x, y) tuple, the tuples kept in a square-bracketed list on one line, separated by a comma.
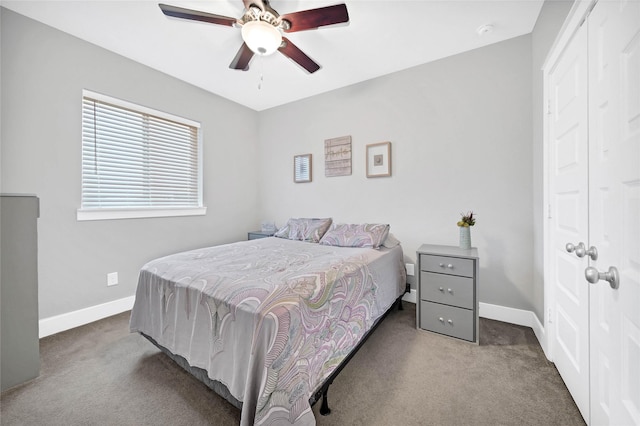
[(195, 15), (295, 54), (242, 59), (314, 18)]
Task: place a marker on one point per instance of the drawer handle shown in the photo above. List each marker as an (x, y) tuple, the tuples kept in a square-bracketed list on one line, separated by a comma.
[(441, 289), (450, 291), (450, 322), (442, 265), (450, 266), (441, 320)]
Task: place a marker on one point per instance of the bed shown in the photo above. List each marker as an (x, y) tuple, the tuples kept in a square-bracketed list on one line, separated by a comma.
[(267, 323)]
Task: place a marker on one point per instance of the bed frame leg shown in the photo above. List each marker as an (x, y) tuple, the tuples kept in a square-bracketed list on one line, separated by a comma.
[(400, 307), (324, 408)]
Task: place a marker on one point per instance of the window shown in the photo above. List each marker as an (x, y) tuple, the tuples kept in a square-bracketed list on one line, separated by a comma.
[(137, 162)]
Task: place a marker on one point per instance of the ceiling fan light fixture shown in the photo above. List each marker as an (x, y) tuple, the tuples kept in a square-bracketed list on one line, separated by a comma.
[(262, 38)]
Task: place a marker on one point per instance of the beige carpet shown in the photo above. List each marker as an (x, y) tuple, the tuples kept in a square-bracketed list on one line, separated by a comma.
[(100, 374)]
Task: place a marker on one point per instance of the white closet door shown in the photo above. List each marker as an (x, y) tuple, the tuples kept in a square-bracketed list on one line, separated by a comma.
[(614, 209), (568, 152)]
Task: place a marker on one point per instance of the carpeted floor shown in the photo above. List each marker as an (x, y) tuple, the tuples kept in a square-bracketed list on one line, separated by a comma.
[(100, 374)]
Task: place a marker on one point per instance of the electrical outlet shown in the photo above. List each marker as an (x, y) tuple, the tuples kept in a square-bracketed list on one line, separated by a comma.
[(410, 270), (112, 278)]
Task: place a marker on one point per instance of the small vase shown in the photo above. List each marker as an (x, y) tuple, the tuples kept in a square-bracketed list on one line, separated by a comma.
[(465, 237)]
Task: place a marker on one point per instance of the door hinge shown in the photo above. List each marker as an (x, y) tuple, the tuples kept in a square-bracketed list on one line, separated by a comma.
[(548, 106), (548, 211), (549, 316)]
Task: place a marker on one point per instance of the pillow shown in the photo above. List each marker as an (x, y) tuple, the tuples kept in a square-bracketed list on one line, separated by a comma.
[(391, 241), (364, 235), (304, 229)]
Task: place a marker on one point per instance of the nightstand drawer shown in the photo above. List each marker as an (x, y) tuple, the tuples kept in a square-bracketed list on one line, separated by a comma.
[(454, 322), (447, 289), (446, 265)]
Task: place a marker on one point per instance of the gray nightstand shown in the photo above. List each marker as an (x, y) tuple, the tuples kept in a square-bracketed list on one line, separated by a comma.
[(254, 235), (448, 291)]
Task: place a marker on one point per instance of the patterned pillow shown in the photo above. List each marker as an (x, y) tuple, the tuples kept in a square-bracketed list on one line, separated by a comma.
[(304, 229), (364, 235)]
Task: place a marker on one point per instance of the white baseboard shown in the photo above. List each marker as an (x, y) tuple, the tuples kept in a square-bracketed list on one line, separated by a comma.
[(59, 323), (53, 325), (515, 316)]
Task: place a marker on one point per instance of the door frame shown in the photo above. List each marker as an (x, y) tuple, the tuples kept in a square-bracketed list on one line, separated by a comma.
[(577, 15)]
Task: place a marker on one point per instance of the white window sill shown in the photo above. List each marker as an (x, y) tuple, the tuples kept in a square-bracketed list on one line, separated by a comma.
[(112, 214)]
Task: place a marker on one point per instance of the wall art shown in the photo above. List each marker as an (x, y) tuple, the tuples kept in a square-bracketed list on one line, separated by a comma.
[(337, 156), (302, 168), (379, 159)]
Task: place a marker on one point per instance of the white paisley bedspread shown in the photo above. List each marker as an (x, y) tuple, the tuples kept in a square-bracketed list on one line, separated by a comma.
[(269, 318)]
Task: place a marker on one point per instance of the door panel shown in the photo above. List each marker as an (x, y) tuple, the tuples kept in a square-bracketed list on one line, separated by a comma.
[(602, 118), (614, 209), (594, 188), (569, 219)]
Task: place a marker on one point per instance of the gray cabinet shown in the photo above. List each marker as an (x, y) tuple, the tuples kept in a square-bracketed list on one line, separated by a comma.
[(448, 291), (19, 340)]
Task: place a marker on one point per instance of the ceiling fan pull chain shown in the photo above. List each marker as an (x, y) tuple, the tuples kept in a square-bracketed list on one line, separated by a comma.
[(261, 75)]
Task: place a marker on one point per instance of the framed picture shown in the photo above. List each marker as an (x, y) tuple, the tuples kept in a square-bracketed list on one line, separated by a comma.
[(379, 159), (302, 168), (337, 156)]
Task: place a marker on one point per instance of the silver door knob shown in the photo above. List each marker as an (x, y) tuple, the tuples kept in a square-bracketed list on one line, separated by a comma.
[(592, 253), (580, 249), (612, 276)]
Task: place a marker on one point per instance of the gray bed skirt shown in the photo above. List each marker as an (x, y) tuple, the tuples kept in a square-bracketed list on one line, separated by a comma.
[(321, 392), (199, 374)]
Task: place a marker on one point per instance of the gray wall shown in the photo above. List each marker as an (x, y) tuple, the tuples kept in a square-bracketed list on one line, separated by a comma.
[(461, 139), (548, 25), (43, 74), (466, 133)]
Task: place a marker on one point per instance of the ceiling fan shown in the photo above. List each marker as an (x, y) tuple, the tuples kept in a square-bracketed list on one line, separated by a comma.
[(262, 29)]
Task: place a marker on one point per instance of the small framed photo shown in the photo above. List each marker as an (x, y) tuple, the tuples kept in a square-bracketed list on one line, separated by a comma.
[(302, 168), (379, 159)]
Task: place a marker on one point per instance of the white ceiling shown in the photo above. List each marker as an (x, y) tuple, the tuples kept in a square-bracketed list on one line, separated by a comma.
[(382, 37)]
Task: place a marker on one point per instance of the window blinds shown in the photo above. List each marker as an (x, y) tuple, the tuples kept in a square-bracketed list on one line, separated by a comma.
[(134, 159)]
